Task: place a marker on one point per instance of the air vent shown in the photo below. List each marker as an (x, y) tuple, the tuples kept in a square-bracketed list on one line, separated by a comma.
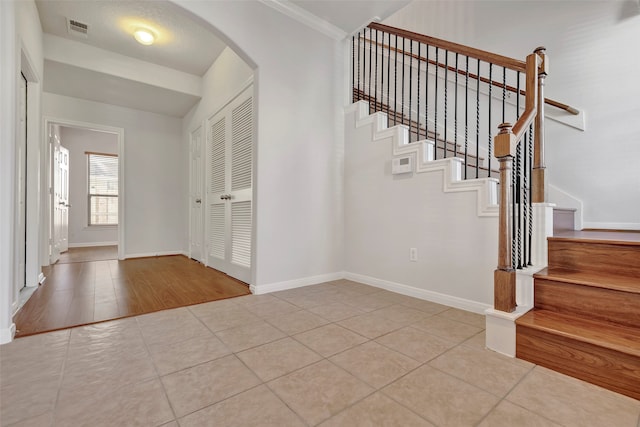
[(77, 28)]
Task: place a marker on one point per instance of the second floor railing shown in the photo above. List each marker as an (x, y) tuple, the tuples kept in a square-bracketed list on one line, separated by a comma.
[(456, 97)]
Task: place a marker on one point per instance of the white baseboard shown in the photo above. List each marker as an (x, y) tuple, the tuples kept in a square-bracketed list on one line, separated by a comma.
[(449, 300), (7, 334), (91, 244), (41, 278), (612, 225), (154, 254), (296, 283)]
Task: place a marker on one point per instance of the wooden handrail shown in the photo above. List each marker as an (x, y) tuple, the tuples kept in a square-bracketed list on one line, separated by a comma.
[(549, 101), (483, 55)]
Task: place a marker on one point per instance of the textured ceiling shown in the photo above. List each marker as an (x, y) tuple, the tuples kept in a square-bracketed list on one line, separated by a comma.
[(182, 43)]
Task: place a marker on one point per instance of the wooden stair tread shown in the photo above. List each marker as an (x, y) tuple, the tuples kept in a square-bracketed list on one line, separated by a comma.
[(623, 339), (631, 238), (594, 279)]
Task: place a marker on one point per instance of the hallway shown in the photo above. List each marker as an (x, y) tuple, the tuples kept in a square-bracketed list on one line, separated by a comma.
[(81, 293)]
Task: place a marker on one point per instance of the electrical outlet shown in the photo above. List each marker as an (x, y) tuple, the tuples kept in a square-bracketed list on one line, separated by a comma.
[(413, 254)]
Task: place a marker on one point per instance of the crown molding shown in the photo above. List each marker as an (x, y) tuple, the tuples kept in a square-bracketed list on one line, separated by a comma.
[(305, 17)]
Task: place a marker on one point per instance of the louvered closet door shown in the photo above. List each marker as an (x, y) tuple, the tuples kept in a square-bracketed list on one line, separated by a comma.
[(230, 164)]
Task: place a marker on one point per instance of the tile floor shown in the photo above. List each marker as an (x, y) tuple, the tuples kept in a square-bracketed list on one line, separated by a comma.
[(335, 354)]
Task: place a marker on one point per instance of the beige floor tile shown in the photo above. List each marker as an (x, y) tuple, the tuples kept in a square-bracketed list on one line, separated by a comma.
[(336, 311), (473, 319), (376, 410), (251, 335), (247, 300), (485, 369), (330, 339), (416, 344), (374, 364), (446, 328), (319, 391), (401, 314), (507, 414), (27, 399), (257, 407), (272, 308), (44, 420), (278, 358), (170, 424), (142, 404), (226, 317), (91, 379), (425, 306), (194, 388), (297, 322), (185, 354), (361, 288), (314, 299), (171, 326), (105, 334), (22, 360), (478, 341), (368, 302), (209, 308), (370, 325), (571, 402), (440, 398)]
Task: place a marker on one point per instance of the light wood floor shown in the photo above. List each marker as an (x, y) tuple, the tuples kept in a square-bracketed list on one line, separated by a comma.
[(94, 253), (81, 293)]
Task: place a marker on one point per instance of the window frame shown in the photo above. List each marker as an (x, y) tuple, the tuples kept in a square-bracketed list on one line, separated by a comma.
[(91, 195)]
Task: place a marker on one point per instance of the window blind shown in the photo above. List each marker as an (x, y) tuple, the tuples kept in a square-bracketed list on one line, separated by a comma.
[(103, 189)]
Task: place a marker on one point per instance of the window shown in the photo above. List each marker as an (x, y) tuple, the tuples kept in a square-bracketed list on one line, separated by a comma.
[(103, 189)]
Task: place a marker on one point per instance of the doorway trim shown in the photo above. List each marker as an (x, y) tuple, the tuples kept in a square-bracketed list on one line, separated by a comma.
[(49, 121)]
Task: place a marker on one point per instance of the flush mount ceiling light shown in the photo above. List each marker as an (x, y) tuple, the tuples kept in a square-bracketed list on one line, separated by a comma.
[(144, 36)]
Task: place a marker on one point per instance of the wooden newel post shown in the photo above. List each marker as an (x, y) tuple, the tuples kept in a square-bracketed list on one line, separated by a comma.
[(504, 277), (539, 190)]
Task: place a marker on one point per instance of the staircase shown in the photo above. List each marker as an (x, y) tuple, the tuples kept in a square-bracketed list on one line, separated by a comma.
[(586, 317)]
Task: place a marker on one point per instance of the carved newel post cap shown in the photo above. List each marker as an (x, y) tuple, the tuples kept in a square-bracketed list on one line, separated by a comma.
[(505, 127)]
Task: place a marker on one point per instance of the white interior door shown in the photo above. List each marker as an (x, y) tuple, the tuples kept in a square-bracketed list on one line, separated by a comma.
[(64, 200), (60, 198), (21, 193), (196, 196), (229, 187)]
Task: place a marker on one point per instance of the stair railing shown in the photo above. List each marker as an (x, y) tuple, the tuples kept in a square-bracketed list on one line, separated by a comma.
[(455, 97)]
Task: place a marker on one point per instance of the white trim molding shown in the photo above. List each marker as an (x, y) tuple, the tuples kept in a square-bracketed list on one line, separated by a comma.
[(296, 283), (412, 291), (92, 244), (155, 254)]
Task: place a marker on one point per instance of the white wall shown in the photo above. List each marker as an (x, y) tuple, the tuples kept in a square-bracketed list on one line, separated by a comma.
[(21, 36), (155, 176), (591, 46), (386, 215), (78, 141), (298, 85)]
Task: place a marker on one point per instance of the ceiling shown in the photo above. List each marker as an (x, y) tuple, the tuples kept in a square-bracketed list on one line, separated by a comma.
[(183, 44), (350, 15)]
